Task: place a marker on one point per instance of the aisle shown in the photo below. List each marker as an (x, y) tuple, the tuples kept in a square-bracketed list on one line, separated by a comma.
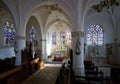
[(47, 75)]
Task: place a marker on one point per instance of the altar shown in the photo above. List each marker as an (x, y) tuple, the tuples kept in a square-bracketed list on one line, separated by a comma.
[(58, 55), (63, 52)]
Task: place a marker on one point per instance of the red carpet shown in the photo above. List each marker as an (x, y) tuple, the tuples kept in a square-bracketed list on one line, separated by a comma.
[(58, 59)]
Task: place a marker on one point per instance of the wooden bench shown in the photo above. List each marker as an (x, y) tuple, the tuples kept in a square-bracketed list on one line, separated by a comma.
[(79, 80), (115, 74), (40, 64), (88, 63), (9, 74), (90, 68), (94, 76)]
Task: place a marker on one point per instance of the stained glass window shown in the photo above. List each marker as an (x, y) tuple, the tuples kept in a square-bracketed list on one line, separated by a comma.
[(9, 34), (62, 37), (32, 35), (54, 37), (95, 35)]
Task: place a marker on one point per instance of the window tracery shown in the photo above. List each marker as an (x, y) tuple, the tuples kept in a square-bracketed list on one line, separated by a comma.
[(9, 34), (95, 35), (54, 37), (33, 35)]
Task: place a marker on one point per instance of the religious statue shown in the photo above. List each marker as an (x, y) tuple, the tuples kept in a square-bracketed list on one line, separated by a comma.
[(77, 48)]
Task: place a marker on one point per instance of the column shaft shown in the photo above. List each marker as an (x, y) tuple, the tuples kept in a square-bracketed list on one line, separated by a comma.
[(20, 44), (78, 57)]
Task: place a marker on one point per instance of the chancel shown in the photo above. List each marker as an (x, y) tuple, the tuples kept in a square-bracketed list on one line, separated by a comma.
[(59, 41)]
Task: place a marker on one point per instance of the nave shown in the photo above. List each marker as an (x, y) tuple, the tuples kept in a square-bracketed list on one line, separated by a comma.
[(48, 29), (51, 74), (46, 75)]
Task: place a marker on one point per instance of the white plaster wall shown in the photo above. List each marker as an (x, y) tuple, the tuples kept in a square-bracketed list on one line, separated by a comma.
[(111, 28), (23, 9), (7, 52), (104, 21)]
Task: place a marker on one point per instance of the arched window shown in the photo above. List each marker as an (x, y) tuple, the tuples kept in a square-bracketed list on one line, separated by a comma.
[(33, 35), (62, 37), (95, 35), (9, 34), (54, 37)]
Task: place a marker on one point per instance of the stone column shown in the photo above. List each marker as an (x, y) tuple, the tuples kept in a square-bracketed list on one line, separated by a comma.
[(20, 44), (43, 56), (78, 52)]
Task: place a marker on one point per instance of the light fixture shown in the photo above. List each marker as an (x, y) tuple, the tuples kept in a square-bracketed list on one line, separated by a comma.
[(105, 4)]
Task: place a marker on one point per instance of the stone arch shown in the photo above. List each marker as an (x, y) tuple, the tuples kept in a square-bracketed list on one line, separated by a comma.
[(5, 16), (43, 24), (58, 20), (37, 4), (34, 22), (56, 47)]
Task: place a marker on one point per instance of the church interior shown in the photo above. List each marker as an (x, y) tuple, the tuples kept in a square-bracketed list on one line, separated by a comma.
[(59, 42)]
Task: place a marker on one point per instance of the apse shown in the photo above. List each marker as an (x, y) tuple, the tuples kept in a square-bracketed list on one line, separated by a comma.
[(59, 39)]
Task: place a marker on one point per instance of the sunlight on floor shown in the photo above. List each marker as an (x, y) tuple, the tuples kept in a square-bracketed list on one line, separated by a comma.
[(51, 65), (55, 65)]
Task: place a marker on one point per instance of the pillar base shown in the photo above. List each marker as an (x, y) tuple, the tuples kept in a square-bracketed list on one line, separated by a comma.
[(79, 71)]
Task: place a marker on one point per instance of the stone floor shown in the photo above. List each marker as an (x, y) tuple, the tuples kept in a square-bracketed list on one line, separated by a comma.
[(46, 75)]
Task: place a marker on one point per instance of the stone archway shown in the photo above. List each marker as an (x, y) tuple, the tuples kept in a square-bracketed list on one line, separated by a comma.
[(62, 41), (48, 13), (5, 16), (32, 22)]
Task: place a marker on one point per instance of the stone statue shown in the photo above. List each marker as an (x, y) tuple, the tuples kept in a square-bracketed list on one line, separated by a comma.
[(77, 47)]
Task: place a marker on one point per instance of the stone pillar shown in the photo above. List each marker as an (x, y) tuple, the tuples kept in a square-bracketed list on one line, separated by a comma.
[(43, 56), (78, 52), (20, 44)]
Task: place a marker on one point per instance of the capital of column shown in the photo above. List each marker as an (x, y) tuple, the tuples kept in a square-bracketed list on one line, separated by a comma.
[(78, 34)]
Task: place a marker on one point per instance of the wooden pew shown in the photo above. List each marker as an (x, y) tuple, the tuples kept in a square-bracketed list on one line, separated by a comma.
[(94, 68), (94, 76), (5, 76), (78, 80), (115, 74), (88, 63)]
